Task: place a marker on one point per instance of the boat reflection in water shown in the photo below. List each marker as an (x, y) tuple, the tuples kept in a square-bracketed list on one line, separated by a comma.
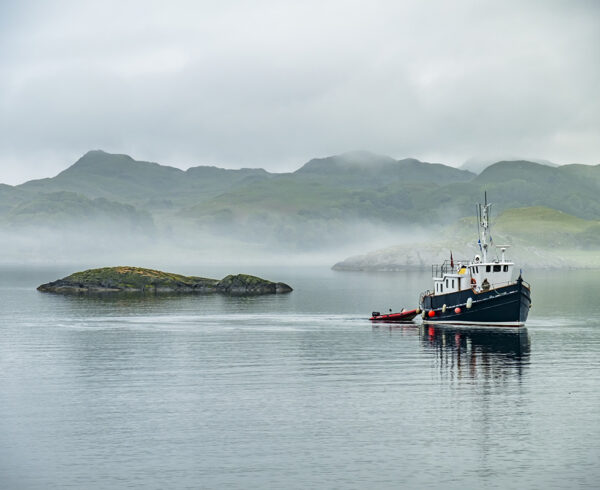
[(497, 353)]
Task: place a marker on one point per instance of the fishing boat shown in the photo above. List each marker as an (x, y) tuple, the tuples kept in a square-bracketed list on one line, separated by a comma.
[(480, 291), (402, 317)]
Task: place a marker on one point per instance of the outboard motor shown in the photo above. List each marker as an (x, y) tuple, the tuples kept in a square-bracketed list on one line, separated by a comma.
[(375, 313)]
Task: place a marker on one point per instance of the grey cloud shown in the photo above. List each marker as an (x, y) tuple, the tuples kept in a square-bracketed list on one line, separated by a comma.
[(273, 84)]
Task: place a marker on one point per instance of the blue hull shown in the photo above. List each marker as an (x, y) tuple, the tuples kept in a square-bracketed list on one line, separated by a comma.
[(507, 305)]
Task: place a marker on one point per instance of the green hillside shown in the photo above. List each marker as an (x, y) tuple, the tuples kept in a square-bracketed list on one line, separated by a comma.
[(363, 169), (538, 226), (549, 228), (325, 201), (318, 202), (68, 208), (123, 179), (573, 189)]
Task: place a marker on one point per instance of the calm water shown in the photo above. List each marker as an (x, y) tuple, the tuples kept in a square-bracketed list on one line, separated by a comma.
[(295, 391)]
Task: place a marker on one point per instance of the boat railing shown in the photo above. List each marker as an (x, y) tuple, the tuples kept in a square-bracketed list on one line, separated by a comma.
[(477, 288), (448, 267)]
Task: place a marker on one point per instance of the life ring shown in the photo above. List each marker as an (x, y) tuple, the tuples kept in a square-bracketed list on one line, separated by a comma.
[(473, 281)]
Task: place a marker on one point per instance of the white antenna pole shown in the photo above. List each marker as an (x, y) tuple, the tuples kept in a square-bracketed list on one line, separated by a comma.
[(484, 226)]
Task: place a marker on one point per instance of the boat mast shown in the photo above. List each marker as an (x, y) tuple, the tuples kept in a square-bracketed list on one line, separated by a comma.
[(484, 224)]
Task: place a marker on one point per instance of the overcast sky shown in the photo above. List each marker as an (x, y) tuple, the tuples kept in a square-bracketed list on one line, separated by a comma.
[(272, 83)]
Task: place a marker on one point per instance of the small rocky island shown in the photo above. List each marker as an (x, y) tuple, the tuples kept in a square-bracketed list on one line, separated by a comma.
[(136, 279)]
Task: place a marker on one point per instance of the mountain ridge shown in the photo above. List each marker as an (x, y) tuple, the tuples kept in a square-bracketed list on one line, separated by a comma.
[(327, 201)]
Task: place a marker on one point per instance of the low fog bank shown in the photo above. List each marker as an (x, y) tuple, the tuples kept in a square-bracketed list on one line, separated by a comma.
[(189, 248), (182, 247), (421, 256)]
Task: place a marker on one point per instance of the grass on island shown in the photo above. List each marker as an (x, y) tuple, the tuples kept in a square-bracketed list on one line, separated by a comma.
[(135, 277)]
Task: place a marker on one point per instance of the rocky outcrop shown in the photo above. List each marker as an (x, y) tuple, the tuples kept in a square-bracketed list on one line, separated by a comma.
[(245, 284), (136, 279)]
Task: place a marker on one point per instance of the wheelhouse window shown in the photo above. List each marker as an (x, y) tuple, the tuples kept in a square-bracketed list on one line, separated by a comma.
[(505, 268), (497, 268), (487, 268)]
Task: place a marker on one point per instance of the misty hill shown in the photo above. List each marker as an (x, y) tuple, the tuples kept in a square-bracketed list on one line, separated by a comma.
[(328, 201), (548, 228), (479, 164), (540, 237), (123, 179), (536, 226), (9, 197), (318, 203), (569, 188), (68, 208), (364, 169), (315, 204), (69, 227)]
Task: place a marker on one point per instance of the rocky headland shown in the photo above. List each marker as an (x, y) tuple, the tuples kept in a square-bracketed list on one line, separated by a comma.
[(136, 279)]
